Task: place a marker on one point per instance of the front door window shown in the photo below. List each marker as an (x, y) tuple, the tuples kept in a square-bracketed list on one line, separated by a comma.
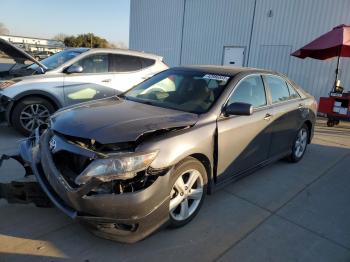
[(94, 82), (251, 91)]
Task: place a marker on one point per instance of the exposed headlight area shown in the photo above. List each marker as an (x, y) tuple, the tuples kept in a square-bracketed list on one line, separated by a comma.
[(140, 181), (115, 172), (116, 166)]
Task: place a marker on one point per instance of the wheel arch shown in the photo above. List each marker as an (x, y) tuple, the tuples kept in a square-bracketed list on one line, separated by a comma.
[(208, 167), (53, 100), (309, 125)]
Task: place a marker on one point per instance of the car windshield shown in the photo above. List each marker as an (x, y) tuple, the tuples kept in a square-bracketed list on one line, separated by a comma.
[(56, 60), (187, 91)]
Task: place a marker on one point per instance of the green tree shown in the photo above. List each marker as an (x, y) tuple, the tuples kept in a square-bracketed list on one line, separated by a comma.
[(86, 40)]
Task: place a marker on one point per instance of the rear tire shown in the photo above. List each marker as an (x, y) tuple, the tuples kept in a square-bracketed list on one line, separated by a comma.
[(29, 113), (300, 144), (187, 192)]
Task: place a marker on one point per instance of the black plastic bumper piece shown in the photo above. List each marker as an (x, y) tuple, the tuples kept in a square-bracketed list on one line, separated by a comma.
[(24, 192)]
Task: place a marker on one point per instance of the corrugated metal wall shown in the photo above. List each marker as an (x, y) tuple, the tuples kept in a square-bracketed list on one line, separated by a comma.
[(296, 23), (210, 25), (196, 31), (156, 27)]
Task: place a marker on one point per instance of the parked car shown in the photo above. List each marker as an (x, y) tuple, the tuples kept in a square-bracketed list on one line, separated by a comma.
[(69, 77), (42, 55), (126, 165)]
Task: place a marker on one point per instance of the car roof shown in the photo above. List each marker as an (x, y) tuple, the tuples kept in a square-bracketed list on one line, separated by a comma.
[(125, 52), (226, 70), (78, 49)]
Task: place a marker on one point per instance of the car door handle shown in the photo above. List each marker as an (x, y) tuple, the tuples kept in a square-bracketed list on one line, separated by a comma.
[(267, 116), (107, 80)]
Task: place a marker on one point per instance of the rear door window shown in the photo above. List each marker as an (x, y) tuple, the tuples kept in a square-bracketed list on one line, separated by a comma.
[(278, 89), (124, 63)]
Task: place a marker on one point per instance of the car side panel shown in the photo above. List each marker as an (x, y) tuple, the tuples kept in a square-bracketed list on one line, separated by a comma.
[(82, 87), (53, 86), (177, 145), (287, 119), (243, 142)]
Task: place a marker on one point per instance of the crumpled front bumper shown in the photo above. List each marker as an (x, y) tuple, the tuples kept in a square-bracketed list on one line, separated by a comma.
[(127, 217)]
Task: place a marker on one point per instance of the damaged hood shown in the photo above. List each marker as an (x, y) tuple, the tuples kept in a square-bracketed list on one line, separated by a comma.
[(18, 54), (115, 120)]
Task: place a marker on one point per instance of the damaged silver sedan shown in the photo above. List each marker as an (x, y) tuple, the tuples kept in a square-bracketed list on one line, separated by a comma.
[(127, 165)]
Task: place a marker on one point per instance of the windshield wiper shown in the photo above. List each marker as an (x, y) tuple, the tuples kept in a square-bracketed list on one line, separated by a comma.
[(145, 102)]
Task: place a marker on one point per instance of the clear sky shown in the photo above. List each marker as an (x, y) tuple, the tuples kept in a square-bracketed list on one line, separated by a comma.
[(46, 18)]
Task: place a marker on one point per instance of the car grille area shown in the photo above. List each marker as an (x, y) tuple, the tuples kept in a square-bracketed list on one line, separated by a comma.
[(70, 158)]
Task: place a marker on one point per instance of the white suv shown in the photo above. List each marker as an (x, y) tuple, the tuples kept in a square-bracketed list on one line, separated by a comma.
[(72, 76)]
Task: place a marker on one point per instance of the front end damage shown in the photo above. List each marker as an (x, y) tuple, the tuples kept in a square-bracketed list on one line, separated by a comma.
[(124, 208)]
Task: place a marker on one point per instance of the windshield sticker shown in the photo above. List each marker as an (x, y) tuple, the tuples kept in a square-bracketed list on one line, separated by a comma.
[(216, 77)]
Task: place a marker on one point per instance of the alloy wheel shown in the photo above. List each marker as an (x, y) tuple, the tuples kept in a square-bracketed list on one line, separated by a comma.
[(33, 115), (300, 143), (186, 195)]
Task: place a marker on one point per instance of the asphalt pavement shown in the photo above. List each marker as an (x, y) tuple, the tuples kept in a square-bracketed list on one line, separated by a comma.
[(284, 212)]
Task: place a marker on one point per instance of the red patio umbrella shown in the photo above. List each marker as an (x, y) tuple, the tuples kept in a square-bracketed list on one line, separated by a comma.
[(335, 43)]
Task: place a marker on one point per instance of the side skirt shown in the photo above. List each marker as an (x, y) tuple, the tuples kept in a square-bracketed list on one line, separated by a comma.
[(248, 172)]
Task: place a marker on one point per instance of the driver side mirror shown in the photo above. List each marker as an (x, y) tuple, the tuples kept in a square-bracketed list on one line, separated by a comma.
[(238, 109), (74, 69), (40, 70)]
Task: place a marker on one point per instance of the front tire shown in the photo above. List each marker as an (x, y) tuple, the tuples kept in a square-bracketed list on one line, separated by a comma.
[(188, 190), (300, 144), (29, 113)]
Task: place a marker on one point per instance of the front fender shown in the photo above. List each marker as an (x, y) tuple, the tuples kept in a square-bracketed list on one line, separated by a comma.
[(177, 145)]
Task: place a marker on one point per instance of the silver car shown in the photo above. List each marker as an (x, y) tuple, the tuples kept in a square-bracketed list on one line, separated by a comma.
[(127, 165), (69, 77)]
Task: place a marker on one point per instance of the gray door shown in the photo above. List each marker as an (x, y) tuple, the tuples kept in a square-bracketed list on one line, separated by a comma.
[(287, 111), (233, 56), (243, 141)]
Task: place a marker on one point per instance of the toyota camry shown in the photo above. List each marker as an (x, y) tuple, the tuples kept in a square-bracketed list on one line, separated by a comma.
[(127, 165)]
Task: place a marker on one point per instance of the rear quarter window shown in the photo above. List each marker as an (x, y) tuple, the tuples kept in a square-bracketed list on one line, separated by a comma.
[(146, 62), (292, 92), (124, 63)]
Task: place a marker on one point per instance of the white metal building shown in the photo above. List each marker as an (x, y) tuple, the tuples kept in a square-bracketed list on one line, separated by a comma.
[(255, 33), (34, 44)]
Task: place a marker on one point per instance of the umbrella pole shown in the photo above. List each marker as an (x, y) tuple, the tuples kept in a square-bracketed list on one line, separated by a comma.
[(336, 73)]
